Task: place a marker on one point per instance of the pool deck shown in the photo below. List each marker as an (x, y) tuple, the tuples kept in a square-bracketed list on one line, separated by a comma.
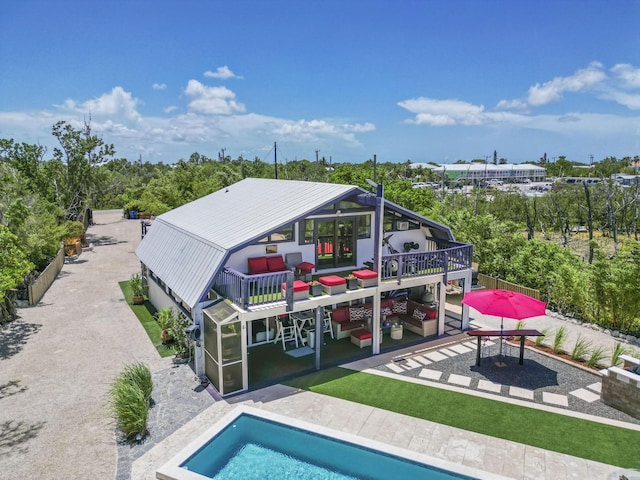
[(488, 454)]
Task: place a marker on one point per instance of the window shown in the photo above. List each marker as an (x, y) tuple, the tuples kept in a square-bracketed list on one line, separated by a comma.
[(306, 232), (364, 226), (284, 235)]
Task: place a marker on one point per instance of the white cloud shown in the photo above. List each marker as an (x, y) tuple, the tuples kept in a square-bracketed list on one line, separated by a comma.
[(117, 105), (159, 86), (439, 113), (212, 100), (306, 130), (221, 72), (552, 90), (169, 109), (629, 75)]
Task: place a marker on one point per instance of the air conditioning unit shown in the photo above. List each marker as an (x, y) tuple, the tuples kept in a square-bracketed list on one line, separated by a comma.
[(402, 225)]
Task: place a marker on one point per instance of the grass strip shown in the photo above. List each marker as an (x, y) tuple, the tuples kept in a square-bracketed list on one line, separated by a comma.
[(145, 313), (538, 428)]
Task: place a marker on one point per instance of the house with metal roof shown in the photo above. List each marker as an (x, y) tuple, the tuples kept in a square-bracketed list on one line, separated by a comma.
[(239, 262)]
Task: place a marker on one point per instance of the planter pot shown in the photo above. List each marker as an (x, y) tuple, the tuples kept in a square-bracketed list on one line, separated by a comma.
[(137, 299), (315, 290), (165, 336)]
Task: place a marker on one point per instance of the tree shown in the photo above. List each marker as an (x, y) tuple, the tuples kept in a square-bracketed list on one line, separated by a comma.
[(13, 262), (73, 167)]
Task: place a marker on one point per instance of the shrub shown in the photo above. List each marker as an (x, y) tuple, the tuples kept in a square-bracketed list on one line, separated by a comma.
[(618, 349), (130, 393), (559, 339), (135, 282), (595, 357), (542, 337), (581, 349), (139, 374)]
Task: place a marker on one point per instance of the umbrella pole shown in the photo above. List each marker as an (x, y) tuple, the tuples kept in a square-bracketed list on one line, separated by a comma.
[(501, 337)]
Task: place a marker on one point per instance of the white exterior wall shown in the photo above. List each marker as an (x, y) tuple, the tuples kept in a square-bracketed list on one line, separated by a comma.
[(159, 298)]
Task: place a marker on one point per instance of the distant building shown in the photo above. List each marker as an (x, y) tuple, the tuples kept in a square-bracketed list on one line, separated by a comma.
[(626, 180), (474, 173)]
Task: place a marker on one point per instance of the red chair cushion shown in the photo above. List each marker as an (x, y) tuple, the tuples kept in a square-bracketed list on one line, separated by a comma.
[(258, 265), (298, 286), (365, 274), (305, 267), (332, 280), (276, 264)]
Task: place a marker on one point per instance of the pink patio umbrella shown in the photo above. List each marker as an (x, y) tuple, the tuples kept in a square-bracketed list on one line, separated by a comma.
[(504, 303)]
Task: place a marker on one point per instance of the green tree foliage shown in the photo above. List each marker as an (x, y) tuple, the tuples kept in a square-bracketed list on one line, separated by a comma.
[(72, 169), (13, 262)]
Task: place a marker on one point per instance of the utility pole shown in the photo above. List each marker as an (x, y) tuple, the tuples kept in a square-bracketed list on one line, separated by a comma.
[(317, 151), (275, 158), (375, 173)]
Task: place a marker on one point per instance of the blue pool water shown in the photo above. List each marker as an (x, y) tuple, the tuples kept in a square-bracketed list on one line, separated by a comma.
[(256, 448)]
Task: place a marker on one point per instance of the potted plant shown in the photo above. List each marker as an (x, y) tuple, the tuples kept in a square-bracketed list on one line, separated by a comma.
[(315, 288), (352, 282), (135, 282), (165, 320)]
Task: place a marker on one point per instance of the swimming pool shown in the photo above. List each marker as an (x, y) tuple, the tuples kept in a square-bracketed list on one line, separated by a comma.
[(254, 444)]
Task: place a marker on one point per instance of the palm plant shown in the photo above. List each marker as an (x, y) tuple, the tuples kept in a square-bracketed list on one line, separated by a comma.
[(166, 320), (137, 291)]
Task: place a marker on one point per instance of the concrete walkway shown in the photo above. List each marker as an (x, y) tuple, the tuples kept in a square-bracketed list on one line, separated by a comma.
[(57, 360)]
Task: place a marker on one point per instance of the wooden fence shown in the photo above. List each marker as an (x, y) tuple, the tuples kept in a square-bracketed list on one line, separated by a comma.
[(46, 278), (496, 283)]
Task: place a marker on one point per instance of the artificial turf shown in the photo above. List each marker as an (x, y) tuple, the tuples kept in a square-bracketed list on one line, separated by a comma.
[(145, 314), (551, 431)]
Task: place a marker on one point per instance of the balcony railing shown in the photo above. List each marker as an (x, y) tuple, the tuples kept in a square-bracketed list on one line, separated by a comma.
[(253, 290), (449, 258), (250, 290)]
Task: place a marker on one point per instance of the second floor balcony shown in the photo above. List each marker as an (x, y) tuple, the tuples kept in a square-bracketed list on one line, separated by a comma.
[(249, 291)]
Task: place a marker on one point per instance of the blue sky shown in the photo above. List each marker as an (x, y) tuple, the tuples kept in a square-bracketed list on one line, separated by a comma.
[(426, 81)]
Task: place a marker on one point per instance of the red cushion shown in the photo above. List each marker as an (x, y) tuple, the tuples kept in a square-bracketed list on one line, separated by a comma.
[(340, 314), (386, 303), (258, 265), (276, 264), (298, 286), (365, 274), (361, 334), (305, 267), (431, 313), (332, 280)]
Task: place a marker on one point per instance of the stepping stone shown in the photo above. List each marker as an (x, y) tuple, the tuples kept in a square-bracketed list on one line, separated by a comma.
[(435, 356), (410, 364), (555, 399), (521, 392), (422, 360), (449, 353), (430, 374), (460, 348), (489, 386), (394, 367), (585, 395), (459, 380), (596, 387)]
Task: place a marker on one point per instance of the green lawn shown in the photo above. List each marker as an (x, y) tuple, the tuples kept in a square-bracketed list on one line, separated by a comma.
[(145, 313), (551, 431)]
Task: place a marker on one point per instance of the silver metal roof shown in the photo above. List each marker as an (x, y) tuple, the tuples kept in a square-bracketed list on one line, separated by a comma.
[(188, 245)]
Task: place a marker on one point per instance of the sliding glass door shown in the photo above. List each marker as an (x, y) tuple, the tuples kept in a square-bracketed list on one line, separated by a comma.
[(335, 243)]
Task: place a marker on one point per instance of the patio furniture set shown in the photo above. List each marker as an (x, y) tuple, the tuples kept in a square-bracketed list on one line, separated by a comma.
[(299, 327)]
